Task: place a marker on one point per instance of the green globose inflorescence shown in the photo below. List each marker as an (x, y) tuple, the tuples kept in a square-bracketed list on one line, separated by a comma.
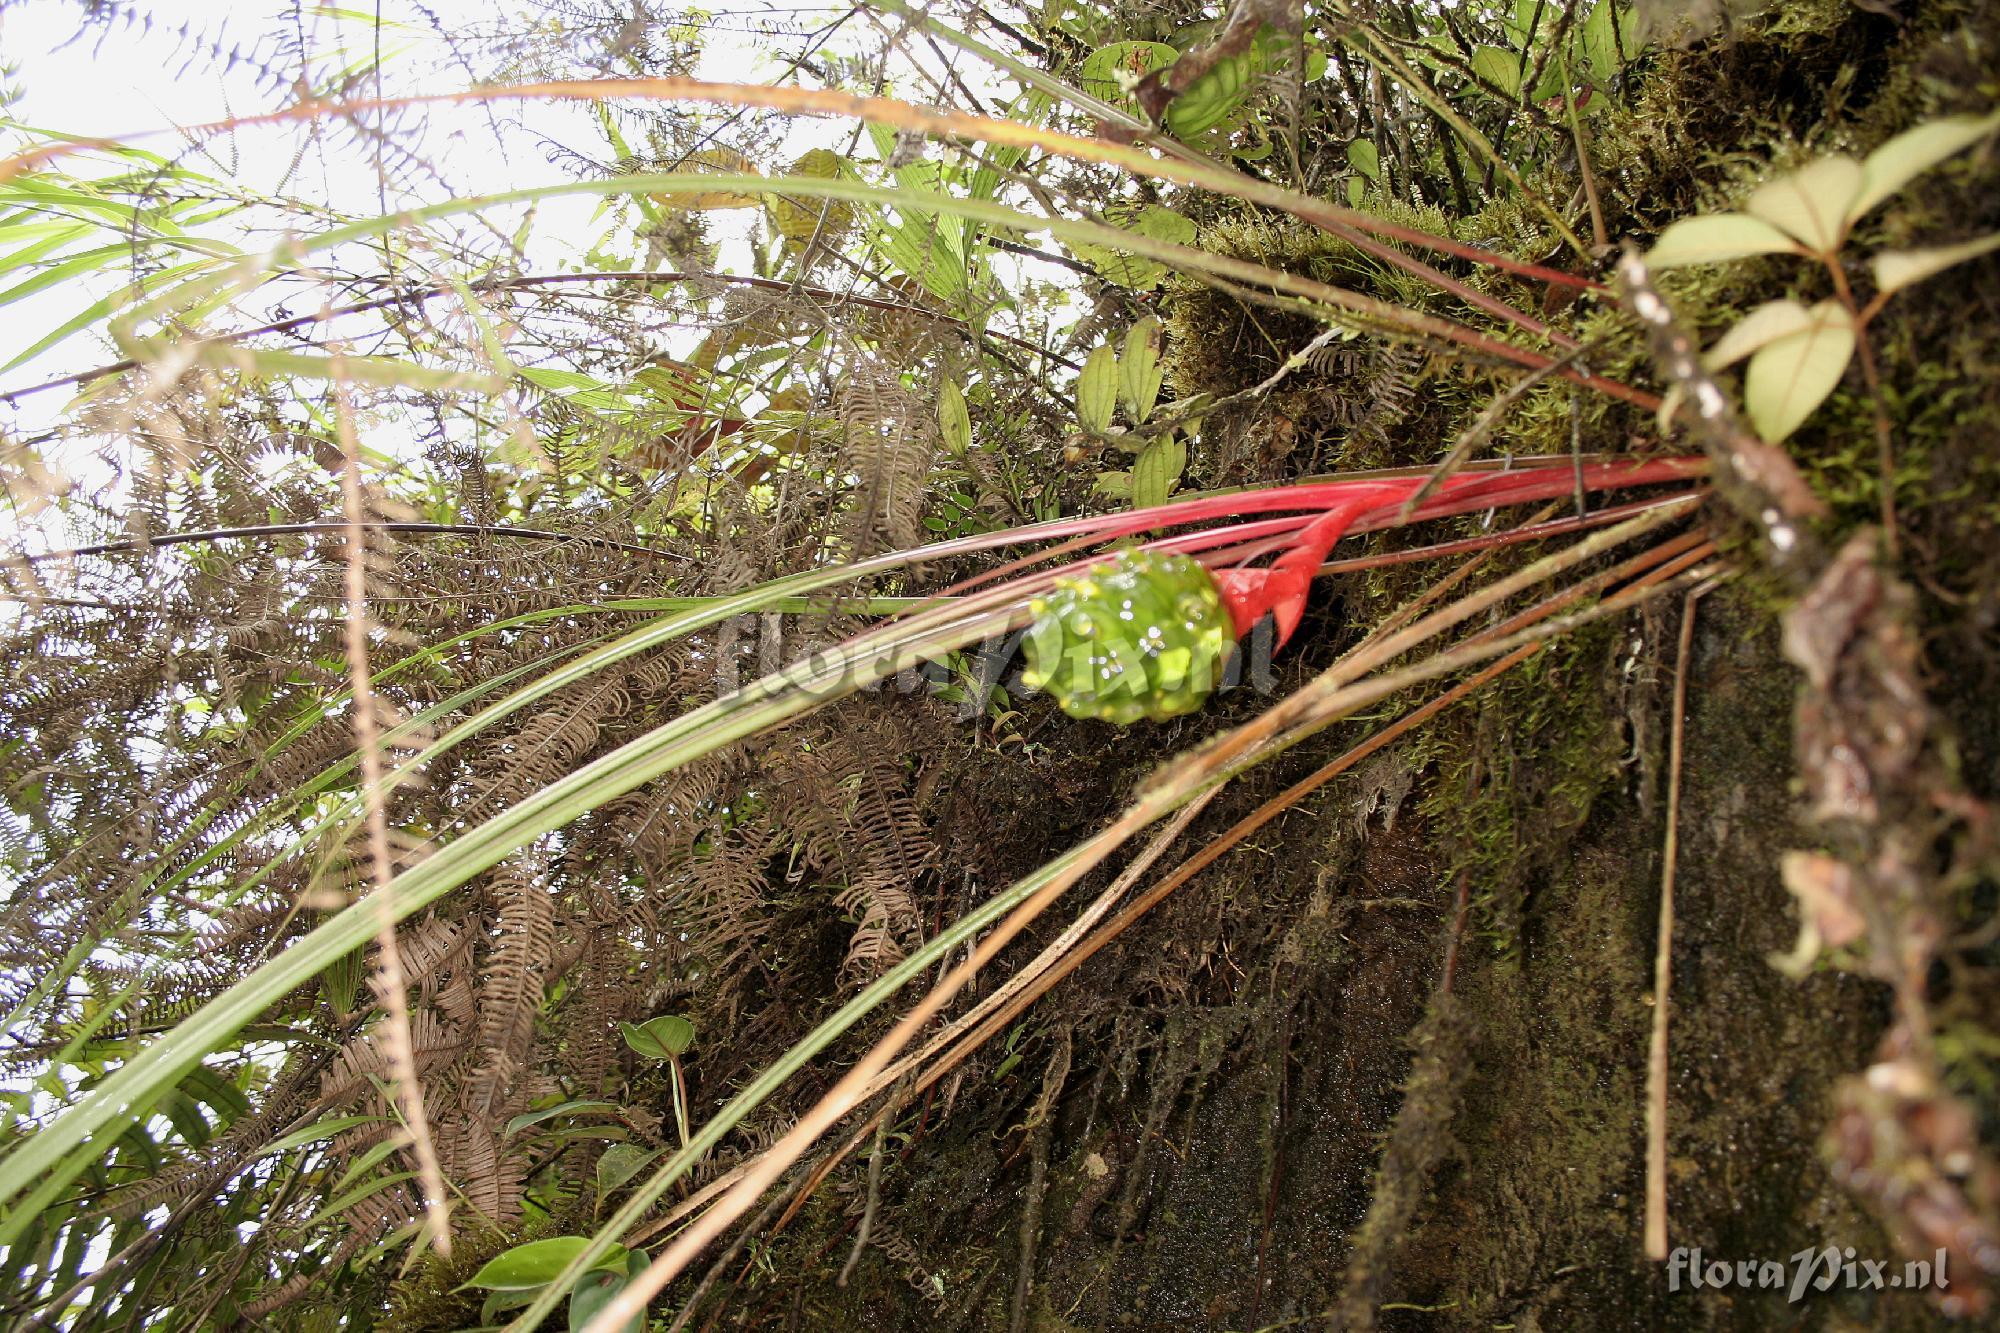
[(1143, 636)]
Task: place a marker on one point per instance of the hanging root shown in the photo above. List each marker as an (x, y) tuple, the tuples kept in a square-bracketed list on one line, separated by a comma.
[(1041, 1125), (1419, 1140)]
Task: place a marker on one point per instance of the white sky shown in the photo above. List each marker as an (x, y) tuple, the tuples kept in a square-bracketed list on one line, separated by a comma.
[(116, 83)]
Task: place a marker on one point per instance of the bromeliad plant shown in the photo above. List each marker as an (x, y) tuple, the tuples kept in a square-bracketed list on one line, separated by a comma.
[(1304, 521)]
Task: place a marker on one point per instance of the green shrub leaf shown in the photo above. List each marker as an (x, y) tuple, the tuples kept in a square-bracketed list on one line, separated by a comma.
[(592, 1294), (1214, 97), (1097, 389), (536, 1264), (1499, 67), (1362, 156)]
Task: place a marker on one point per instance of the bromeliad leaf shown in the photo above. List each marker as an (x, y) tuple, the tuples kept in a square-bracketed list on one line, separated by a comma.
[(1766, 324), (1792, 375), (1913, 152), (1139, 369), (1897, 269), (1714, 237), (1812, 202), (1097, 389)]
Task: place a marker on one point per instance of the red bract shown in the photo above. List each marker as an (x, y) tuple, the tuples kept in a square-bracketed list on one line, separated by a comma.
[(1301, 541), (1309, 519)]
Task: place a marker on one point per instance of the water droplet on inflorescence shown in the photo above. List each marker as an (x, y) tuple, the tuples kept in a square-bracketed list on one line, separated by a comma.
[(1142, 636)]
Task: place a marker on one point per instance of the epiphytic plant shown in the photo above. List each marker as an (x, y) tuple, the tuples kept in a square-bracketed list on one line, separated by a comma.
[(1798, 353)]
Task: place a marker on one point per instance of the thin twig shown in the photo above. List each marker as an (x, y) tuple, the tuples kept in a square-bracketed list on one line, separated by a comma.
[(368, 525), (874, 1200), (1758, 480), (528, 282), (1656, 1061)]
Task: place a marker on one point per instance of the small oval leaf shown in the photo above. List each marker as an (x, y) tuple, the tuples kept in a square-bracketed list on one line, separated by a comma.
[(1913, 152), (1811, 203), (1790, 377), (1097, 389), (1714, 237), (1766, 324), (1156, 470), (1897, 269), (1363, 157), (1113, 485), (621, 1162)]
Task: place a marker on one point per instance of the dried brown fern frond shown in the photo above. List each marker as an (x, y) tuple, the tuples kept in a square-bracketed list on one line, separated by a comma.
[(510, 988), (888, 443)]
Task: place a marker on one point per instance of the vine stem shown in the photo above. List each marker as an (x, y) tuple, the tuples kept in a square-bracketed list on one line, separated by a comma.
[(1864, 347)]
